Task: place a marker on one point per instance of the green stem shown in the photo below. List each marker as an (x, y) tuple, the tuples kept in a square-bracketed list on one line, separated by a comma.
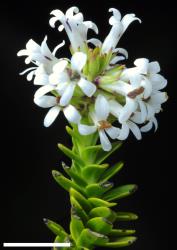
[(92, 196)]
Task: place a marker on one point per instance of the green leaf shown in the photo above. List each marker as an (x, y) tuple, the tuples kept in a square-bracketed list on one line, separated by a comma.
[(126, 216), (55, 228), (88, 239), (78, 209), (89, 154), (100, 225), (120, 192), (76, 139), (110, 172), (121, 232), (76, 177), (92, 172), (76, 227), (105, 212), (120, 242), (97, 190), (71, 154), (103, 155), (81, 199), (96, 155), (65, 182), (96, 202)]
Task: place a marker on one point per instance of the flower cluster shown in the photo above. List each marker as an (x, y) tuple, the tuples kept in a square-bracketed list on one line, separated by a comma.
[(93, 88)]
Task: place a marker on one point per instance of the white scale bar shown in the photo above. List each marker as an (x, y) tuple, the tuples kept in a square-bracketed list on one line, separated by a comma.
[(36, 244)]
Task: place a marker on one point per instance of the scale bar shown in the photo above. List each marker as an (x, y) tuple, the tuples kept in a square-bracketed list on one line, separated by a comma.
[(36, 244)]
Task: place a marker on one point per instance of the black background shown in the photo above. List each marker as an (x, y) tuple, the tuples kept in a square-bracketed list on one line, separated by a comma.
[(29, 192)]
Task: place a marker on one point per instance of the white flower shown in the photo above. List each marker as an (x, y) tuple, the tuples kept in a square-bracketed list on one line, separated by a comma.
[(64, 79), (141, 87), (74, 25), (70, 112), (41, 57), (99, 117), (145, 94), (127, 126), (118, 28)]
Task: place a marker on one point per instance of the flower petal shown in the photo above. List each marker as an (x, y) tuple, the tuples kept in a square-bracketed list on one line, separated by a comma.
[(58, 13), (60, 66), (158, 82), (154, 68), (71, 114), (147, 87), (106, 145), (115, 108), (33, 47), (135, 80), (113, 132), (127, 20), (95, 42), (45, 49), (52, 21), (43, 90), (86, 130), (158, 98), (101, 108), (78, 61), (150, 111), (117, 59), (143, 110), (71, 11), (127, 110), (60, 78), (124, 132), (30, 75), (26, 70), (154, 120), (61, 87), (51, 116), (135, 130), (137, 118), (41, 79), (58, 46), (147, 127), (45, 101), (67, 95), (142, 64), (22, 52), (119, 87), (87, 87), (121, 51), (116, 13)]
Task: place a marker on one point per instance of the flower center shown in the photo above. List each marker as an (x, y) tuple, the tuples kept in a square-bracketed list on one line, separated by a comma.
[(133, 94), (104, 124), (57, 99), (74, 76)]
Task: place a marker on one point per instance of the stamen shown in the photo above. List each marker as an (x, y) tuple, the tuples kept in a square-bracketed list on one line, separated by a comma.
[(74, 76), (104, 124), (57, 99), (133, 94)]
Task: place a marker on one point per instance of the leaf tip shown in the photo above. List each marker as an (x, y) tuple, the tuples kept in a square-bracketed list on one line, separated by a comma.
[(55, 173), (133, 239), (45, 221), (133, 189)]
